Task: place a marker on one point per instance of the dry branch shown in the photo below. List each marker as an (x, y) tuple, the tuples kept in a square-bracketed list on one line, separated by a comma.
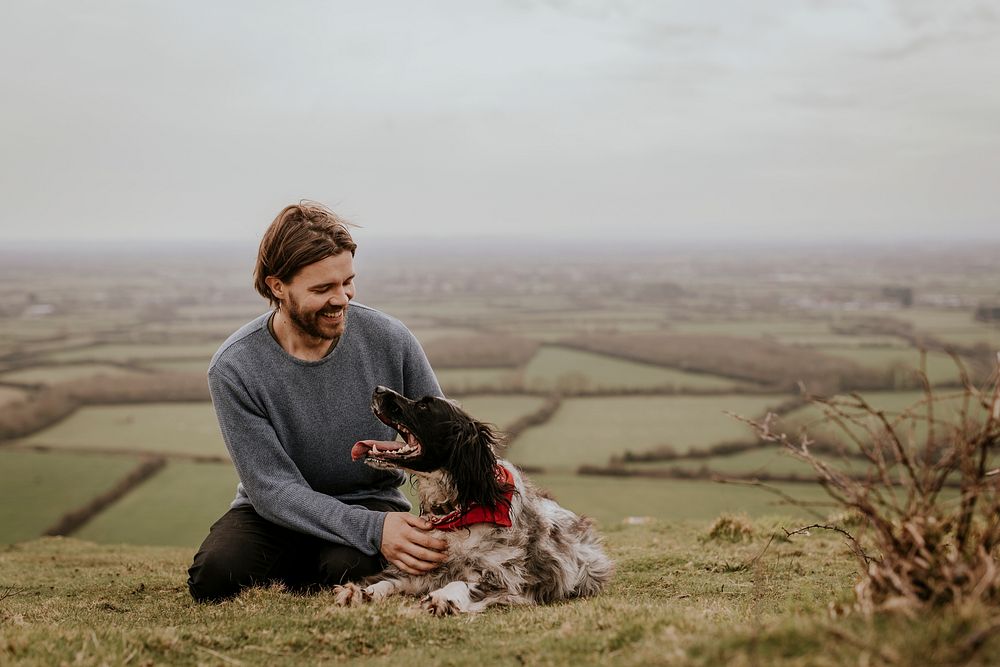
[(933, 550)]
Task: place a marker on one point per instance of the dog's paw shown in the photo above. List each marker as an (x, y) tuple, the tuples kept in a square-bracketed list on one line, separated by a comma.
[(439, 605), (350, 595)]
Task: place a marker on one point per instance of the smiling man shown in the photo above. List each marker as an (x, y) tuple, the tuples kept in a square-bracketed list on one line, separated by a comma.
[(291, 390)]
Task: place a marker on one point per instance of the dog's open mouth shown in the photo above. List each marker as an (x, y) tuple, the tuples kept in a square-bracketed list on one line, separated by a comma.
[(385, 453)]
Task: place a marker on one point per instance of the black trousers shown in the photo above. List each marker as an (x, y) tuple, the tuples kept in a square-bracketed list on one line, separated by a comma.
[(244, 549)]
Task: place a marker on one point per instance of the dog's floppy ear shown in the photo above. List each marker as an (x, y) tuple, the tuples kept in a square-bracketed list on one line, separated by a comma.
[(472, 464)]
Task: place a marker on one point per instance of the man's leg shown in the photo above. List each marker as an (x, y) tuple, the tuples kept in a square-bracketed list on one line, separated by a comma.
[(242, 549), (336, 564)]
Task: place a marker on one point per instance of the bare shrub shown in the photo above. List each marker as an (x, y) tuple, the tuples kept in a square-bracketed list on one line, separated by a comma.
[(920, 545), (21, 418), (731, 528)]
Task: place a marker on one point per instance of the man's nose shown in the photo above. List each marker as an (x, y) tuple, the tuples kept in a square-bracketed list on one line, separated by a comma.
[(339, 297)]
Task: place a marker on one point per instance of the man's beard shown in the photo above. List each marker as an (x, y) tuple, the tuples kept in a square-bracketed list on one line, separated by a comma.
[(310, 324)]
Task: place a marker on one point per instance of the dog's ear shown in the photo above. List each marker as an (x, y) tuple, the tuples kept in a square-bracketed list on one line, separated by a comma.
[(472, 463)]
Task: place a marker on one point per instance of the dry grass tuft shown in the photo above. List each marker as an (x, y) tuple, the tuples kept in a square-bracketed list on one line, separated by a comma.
[(920, 544), (731, 528)]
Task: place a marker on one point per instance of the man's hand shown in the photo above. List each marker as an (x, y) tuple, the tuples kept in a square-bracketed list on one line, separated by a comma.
[(407, 544)]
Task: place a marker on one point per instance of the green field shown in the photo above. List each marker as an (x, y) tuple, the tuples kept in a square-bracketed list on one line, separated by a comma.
[(590, 430), (983, 335), (240, 312), (755, 461), (138, 352), (175, 507), (209, 329), (906, 410), (555, 367), (178, 428), (458, 380), (940, 367), (938, 320), (36, 488), (611, 500), (35, 328), (63, 373), (426, 333), (501, 410)]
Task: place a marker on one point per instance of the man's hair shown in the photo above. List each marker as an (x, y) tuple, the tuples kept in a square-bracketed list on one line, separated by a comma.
[(302, 233)]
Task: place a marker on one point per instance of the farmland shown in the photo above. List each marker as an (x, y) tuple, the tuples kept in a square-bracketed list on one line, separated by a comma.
[(632, 373)]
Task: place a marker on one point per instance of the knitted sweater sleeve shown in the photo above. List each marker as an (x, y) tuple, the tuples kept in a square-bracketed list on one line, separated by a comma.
[(272, 481)]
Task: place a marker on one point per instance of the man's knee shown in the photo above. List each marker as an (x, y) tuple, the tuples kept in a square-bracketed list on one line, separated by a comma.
[(242, 549), (215, 576)]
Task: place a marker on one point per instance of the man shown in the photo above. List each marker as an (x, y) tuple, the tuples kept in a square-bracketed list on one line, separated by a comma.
[(291, 390)]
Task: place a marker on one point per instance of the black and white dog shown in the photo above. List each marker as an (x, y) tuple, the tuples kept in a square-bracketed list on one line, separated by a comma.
[(507, 542)]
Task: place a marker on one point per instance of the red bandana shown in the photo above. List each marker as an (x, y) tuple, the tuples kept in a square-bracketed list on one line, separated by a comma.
[(499, 515)]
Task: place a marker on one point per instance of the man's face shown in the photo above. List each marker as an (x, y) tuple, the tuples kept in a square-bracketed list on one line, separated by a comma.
[(316, 299)]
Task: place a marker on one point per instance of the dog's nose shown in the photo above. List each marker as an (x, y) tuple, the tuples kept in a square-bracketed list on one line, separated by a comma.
[(380, 390)]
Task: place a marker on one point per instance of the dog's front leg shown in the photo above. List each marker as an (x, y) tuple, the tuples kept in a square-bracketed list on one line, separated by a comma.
[(449, 599), (352, 595)]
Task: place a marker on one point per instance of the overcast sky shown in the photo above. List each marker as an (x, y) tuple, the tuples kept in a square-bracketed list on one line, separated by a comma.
[(749, 119)]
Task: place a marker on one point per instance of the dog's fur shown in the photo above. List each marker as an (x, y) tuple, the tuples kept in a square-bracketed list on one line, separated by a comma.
[(548, 553)]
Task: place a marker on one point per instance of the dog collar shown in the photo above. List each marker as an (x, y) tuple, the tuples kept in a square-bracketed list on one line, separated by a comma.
[(476, 513)]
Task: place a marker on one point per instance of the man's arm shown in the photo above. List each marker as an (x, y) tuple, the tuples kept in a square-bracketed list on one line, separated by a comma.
[(273, 482)]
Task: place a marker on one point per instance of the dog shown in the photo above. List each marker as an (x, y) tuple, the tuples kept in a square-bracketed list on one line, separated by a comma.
[(508, 543)]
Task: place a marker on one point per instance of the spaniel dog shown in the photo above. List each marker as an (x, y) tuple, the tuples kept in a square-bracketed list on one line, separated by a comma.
[(507, 542)]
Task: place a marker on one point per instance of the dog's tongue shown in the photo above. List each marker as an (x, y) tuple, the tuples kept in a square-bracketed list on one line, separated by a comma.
[(362, 447)]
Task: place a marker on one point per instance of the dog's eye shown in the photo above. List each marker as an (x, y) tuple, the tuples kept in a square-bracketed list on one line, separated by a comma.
[(422, 406)]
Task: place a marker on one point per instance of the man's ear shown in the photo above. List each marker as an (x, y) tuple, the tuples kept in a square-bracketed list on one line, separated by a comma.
[(276, 286)]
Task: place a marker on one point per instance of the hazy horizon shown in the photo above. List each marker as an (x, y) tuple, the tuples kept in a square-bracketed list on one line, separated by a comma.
[(871, 121)]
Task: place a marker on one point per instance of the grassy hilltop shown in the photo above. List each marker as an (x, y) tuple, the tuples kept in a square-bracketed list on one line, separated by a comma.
[(612, 375), (680, 597)]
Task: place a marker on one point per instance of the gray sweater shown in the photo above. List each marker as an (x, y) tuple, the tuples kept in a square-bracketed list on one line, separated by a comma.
[(290, 424)]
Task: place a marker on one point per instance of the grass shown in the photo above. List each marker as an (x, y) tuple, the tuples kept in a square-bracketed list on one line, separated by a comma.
[(63, 373), (554, 366), (501, 410), (591, 430), (457, 380), (37, 488), (180, 428), (938, 320), (612, 500), (987, 335), (677, 598), (175, 507), (765, 459), (137, 352), (940, 367), (946, 409)]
